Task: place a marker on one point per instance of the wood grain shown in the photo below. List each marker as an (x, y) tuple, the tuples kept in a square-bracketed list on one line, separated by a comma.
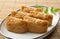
[(8, 5)]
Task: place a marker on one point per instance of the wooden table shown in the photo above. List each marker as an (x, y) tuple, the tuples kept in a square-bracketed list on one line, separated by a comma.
[(8, 5)]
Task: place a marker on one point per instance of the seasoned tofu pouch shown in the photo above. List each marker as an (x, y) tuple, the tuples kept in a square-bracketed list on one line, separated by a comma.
[(16, 25), (47, 17), (36, 25), (29, 9)]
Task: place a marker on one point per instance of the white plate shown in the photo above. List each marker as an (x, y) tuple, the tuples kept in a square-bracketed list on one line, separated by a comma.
[(28, 35)]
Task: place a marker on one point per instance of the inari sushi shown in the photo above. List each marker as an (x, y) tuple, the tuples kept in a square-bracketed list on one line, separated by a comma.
[(36, 25), (29, 9), (47, 17), (16, 25)]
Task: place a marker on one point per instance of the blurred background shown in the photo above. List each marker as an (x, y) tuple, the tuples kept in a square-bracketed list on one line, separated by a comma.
[(7, 5)]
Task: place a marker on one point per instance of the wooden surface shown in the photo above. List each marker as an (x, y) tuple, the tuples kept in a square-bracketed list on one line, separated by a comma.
[(8, 5)]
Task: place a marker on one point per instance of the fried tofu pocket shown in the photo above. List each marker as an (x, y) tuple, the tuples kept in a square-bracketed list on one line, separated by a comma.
[(16, 25)]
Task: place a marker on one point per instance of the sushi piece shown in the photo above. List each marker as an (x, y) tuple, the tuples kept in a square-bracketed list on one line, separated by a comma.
[(36, 25), (47, 17), (15, 25), (29, 9)]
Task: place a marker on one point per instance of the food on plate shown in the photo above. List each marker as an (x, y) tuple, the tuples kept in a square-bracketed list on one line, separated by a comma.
[(42, 16), (38, 14), (16, 25), (36, 25), (27, 9), (28, 19)]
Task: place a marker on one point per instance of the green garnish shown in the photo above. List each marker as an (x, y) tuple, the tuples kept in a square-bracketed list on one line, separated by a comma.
[(46, 11), (37, 6), (57, 9), (53, 10)]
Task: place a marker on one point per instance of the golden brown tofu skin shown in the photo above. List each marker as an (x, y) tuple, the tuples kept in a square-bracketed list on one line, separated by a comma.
[(26, 9), (19, 14), (13, 13), (39, 10), (15, 25), (37, 15), (36, 25), (29, 9), (47, 17)]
